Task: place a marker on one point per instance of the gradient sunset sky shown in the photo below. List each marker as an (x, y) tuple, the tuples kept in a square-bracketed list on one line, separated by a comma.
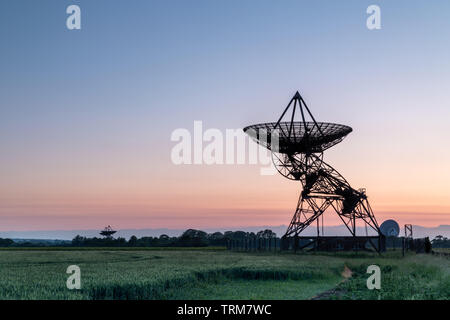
[(86, 116)]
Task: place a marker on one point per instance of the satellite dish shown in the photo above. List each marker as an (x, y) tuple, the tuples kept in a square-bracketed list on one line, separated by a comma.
[(297, 153), (300, 137), (299, 148), (107, 232), (390, 228)]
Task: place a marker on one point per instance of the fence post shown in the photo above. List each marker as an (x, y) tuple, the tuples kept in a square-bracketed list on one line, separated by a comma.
[(403, 247)]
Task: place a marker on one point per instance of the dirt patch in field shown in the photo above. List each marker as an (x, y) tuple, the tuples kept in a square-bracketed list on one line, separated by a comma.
[(335, 292)]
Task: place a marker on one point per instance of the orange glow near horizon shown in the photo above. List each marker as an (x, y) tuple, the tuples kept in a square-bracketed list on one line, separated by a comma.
[(206, 197)]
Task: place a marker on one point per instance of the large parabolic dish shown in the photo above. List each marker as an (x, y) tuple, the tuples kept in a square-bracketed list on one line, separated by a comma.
[(299, 137), (297, 149)]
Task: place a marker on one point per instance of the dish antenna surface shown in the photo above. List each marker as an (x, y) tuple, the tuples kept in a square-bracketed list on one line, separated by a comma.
[(107, 232), (297, 152), (390, 228)]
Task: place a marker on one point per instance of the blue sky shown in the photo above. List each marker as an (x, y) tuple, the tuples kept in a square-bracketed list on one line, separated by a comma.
[(100, 103)]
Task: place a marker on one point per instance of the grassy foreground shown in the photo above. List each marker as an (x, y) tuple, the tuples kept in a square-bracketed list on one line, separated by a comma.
[(218, 274)]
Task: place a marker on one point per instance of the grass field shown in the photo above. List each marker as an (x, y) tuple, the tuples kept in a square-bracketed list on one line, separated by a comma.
[(218, 274), (443, 250)]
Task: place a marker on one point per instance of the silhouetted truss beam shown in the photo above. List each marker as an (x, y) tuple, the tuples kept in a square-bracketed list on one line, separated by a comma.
[(323, 188)]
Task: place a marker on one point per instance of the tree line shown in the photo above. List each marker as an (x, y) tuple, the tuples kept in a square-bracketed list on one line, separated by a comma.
[(440, 242), (189, 238)]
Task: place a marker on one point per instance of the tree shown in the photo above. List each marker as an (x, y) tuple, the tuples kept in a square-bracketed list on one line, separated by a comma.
[(216, 238), (6, 242), (193, 238), (238, 235), (441, 242), (427, 245), (78, 241), (266, 234), (133, 241)]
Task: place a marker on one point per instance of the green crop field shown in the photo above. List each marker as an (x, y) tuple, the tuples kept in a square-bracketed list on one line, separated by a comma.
[(218, 274), (442, 250)]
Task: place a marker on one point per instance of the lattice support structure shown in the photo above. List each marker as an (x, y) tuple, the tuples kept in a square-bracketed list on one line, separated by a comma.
[(324, 188), (298, 155)]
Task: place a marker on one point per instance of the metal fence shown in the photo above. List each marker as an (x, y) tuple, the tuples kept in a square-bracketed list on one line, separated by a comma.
[(329, 244), (254, 244)]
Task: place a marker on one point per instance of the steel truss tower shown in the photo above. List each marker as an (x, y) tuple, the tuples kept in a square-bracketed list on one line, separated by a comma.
[(299, 156)]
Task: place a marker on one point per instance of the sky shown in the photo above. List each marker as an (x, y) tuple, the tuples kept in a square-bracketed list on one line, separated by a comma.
[(86, 116)]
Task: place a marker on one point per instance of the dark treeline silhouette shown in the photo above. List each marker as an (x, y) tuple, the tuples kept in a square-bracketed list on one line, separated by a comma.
[(189, 238), (6, 242), (33, 243), (440, 242)]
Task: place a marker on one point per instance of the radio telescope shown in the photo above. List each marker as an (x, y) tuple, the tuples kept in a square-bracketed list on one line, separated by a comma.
[(390, 228), (107, 232), (298, 155)]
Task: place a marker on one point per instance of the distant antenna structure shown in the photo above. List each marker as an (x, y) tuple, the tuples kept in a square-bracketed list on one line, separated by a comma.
[(298, 155), (390, 228), (107, 232), (408, 231)]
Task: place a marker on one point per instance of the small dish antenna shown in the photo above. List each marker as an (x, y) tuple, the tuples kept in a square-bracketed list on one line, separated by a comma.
[(390, 228)]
